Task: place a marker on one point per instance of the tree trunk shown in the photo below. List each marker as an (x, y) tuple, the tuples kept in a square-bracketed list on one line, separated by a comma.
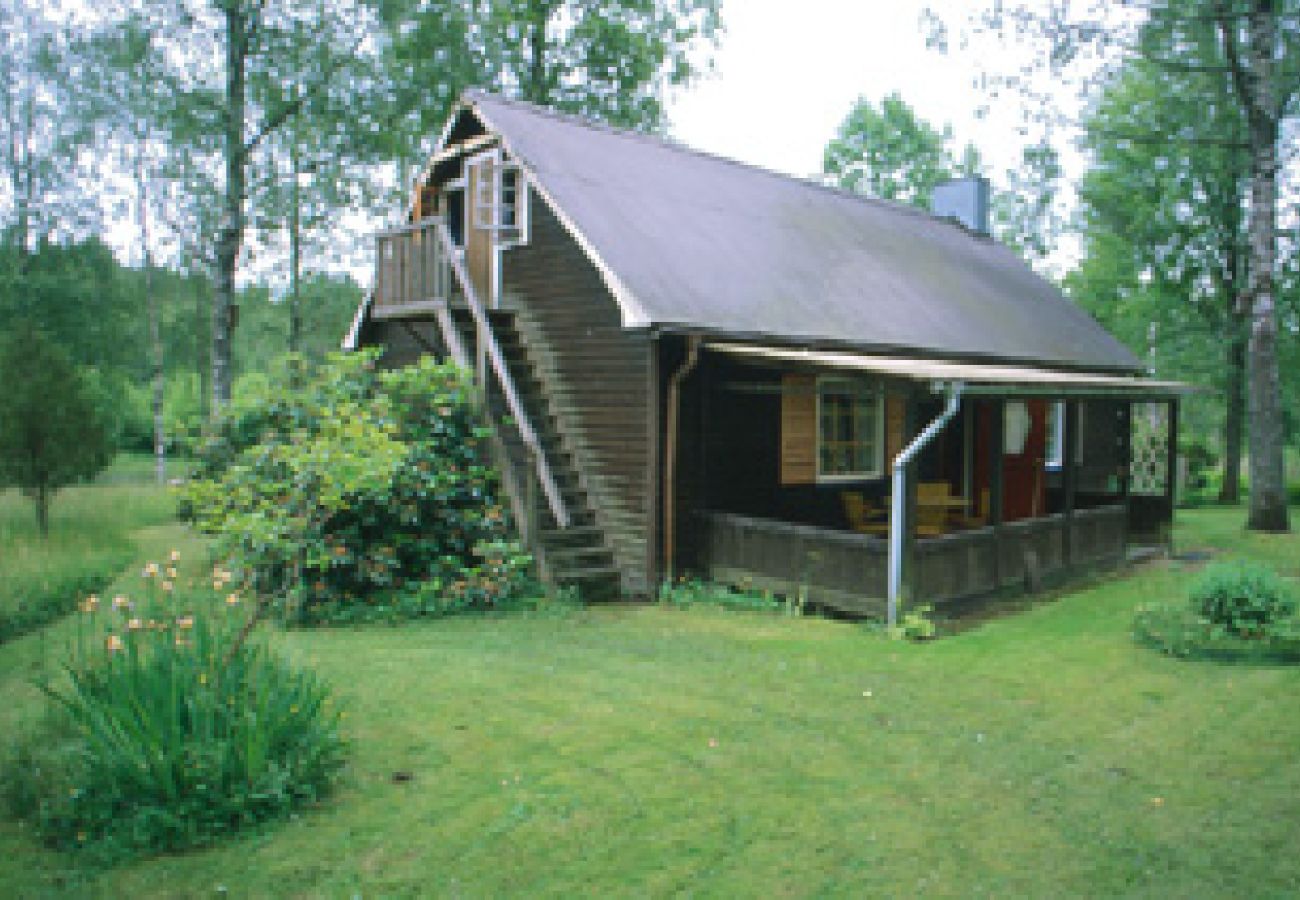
[(1234, 419), (536, 89), (230, 234), (42, 499), (201, 365), (1268, 510), (154, 315), (295, 258)]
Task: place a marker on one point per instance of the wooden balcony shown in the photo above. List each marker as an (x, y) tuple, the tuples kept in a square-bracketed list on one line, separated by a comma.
[(412, 270)]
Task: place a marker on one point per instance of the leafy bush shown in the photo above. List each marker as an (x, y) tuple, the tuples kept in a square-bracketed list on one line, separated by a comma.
[(1235, 611), (360, 494), (1243, 598), (693, 592), (172, 728), (915, 625)]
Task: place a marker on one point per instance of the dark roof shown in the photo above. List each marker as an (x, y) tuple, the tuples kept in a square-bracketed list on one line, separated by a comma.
[(695, 241)]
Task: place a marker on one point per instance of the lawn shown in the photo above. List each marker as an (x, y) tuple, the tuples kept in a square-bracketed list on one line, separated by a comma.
[(90, 540), (645, 750)]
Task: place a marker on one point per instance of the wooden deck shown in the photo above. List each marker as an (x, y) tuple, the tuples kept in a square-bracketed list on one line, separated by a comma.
[(846, 571)]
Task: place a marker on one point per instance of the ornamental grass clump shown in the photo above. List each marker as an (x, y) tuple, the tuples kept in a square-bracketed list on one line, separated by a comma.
[(173, 725)]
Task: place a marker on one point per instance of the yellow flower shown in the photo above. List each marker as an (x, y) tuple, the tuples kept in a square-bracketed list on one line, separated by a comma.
[(232, 600), (91, 604), (134, 625), (113, 644), (121, 602), (175, 556), (166, 585), (150, 570), (171, 572), (203, 678), (185, 622), (217, 584)]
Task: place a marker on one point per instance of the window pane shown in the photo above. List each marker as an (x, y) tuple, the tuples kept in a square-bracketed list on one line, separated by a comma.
[(850, 419)]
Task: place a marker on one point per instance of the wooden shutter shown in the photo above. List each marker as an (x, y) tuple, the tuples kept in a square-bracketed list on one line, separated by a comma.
[(798, 429), (895, 429), (478, 232)]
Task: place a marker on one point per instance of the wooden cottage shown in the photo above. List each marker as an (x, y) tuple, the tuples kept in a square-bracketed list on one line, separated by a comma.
[(697, 366)]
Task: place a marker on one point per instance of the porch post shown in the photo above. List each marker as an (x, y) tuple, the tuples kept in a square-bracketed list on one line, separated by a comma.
[(1126, 464), (1069, 473), (911, 428), (997, 429), (1171, 474)]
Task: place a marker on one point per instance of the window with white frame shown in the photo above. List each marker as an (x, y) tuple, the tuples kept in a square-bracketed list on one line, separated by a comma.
[(1054, 456), (500, 202), (850, 429)]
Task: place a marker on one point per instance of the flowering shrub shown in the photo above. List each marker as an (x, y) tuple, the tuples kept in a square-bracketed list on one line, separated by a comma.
[(172, 727), (360, 494)]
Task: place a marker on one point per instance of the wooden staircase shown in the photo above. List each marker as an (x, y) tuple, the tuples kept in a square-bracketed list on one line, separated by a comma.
[(573, 556), (420, 275)]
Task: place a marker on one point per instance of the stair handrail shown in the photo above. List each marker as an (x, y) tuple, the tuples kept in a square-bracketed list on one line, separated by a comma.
[(489, 342)]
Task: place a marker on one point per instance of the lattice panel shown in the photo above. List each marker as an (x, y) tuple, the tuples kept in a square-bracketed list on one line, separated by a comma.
[(1149, 465)]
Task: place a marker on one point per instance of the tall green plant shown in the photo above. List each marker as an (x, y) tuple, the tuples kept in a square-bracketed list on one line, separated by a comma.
[(51, 432), (171, 729)]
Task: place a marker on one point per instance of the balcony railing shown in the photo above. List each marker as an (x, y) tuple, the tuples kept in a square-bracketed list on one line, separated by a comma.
[(412, 267), (418, 270)]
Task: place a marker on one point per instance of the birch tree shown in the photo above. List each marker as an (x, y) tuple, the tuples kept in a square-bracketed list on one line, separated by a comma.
[(1253, 46)]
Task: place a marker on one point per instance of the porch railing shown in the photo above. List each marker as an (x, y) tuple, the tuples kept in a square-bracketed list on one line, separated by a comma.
[(416, 267)]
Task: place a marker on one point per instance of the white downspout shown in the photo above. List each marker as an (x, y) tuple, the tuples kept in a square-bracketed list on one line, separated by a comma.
[(898, 504)]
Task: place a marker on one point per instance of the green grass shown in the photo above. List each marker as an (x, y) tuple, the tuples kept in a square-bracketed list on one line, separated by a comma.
[(646, 750), (90, 540)]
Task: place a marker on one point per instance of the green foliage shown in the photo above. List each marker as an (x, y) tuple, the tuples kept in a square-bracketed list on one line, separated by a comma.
[(1244, 598), (915, 625), (686, 593), (888, 152), (90, 540), (613, 62), (172, 729), (1238, 610), (51, 431), (360, 494), (30, 599)]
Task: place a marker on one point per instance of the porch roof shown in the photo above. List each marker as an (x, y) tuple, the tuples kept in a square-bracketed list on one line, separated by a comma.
[(978, 379)]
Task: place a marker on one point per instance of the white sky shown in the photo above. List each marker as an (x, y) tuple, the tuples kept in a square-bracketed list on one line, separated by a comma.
[(788, 73)]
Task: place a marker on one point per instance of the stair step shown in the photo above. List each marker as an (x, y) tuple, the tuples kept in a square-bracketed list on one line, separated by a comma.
[(564, 559), (559, 537)]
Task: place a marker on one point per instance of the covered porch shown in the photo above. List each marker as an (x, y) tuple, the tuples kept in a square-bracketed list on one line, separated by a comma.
[(1011, 478)]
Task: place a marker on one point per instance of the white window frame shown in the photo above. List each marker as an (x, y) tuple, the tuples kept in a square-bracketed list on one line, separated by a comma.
[(1056, 433), (855, 387), (489, 214)]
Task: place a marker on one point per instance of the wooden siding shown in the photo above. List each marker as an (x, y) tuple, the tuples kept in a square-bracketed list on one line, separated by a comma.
[(798, 429), (478, 241), (597, 379)]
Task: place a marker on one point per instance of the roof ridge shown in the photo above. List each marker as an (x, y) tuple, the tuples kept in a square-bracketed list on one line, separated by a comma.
[(671, 143)]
